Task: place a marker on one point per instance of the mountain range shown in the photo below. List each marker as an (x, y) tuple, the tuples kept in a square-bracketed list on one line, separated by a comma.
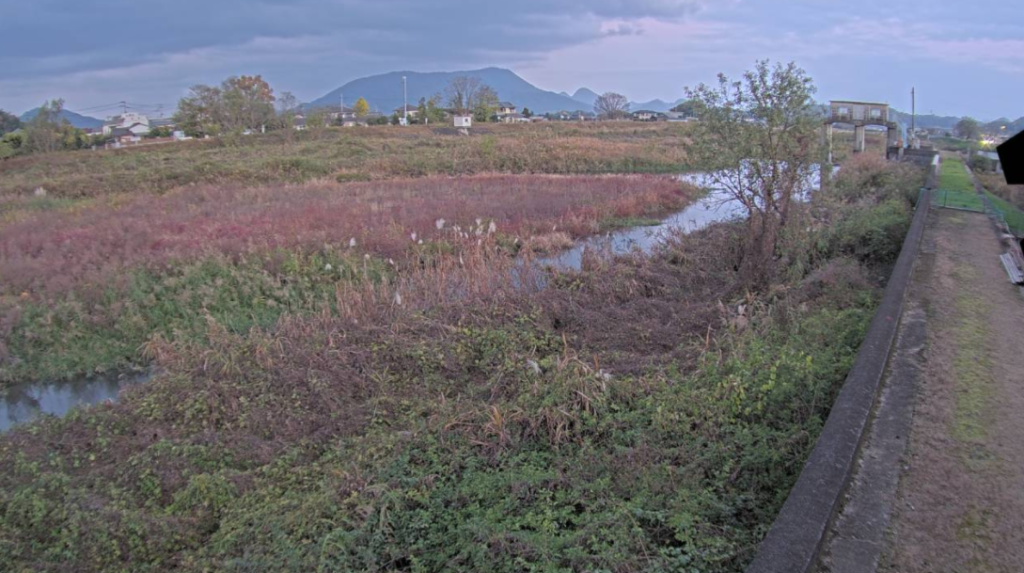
[(75, 119), (384, 91)]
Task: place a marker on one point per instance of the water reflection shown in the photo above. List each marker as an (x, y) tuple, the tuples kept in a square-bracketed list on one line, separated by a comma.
[(645, 239), (26, 402)]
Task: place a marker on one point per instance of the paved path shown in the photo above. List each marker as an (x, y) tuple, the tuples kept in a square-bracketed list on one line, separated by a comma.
[(940, 483)]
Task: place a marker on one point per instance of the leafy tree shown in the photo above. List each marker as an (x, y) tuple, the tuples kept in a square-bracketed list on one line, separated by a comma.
[(485, 104), (317, 119), (162, 131), (362, 107), (48, 131), (434, 111), (611, 105), (527, 112), (8, 122), (248, 103), (421, 112), (689, 108), (12, 144), (756, 140), (968, 128), (201, 112), (240, 103)]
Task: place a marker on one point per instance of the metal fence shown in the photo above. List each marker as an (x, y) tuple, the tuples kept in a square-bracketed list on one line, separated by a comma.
[(961, 200)]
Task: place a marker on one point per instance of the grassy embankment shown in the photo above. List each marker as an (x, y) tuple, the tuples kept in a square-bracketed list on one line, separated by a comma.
[(645, 414), (955, 186), (1008, 198)]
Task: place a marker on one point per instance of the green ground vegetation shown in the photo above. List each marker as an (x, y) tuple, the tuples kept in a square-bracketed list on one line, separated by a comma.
[(1013, 215), (956, 189)]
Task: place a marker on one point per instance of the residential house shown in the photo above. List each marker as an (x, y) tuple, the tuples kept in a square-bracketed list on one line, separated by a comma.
[(577, 115), (414, 111), (514, 118), (125, 136), (993, 158), (127, 120), (648, 115), (506, 108)]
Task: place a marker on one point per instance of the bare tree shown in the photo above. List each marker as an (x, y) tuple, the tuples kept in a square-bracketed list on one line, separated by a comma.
[(756, 141), (287, 108), (461, 92), (466, 94), (611, 105)]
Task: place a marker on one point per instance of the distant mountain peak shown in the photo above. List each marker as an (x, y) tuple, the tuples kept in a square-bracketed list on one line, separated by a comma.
[(384, 91), (76, 119)]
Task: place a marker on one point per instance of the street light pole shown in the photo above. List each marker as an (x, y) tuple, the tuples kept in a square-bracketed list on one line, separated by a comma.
[(405, 98)]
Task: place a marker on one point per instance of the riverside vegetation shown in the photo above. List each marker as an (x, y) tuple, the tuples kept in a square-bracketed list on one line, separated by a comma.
[(362, 371), (642, 414), (85, 288)]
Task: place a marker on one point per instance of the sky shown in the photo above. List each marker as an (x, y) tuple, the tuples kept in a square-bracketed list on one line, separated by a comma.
[(962, 58)]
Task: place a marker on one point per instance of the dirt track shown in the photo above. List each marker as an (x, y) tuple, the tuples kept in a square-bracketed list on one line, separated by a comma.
[(960, 503)]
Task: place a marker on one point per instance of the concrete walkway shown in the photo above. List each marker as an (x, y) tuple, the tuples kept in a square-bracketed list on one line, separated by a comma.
[(939, 486)]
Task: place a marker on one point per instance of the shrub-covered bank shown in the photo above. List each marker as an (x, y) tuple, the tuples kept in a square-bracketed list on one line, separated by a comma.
[(84, 290), (641, 415)]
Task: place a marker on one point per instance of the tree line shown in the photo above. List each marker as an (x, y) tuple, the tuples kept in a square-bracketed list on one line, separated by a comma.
[(47, 132)]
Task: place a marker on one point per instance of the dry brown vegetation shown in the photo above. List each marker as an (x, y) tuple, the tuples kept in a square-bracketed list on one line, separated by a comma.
[(347, 154)]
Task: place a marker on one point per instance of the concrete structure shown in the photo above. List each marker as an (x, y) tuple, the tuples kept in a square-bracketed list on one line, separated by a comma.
[(992, 156), (861, 115), (463, 121)]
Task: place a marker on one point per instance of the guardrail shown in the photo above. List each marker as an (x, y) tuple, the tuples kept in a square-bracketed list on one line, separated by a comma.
[(794, 542)]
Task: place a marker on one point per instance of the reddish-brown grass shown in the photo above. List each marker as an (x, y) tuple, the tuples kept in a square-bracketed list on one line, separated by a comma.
[(53, 252)]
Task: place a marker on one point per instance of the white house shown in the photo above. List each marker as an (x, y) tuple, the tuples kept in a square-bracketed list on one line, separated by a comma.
[(127, 120)]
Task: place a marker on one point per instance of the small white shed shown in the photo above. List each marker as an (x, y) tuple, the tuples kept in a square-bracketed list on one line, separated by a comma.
[(463, 121)]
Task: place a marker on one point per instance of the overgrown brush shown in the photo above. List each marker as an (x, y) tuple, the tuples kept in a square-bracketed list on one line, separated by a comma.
[(83, 290), (643, 414)]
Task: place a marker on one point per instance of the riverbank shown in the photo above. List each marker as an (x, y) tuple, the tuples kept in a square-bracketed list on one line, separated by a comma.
[(85, 291), (643, 412)]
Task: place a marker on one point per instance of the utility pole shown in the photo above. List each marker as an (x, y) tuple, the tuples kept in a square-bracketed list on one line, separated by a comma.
[(913, 117), (405, 98), (913, 108), (124, 107)]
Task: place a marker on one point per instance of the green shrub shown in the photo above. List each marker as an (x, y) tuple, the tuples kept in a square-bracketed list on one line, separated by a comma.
[(873, 234)]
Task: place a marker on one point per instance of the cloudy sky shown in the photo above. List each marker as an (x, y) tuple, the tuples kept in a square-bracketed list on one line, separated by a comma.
[(963, 58)]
